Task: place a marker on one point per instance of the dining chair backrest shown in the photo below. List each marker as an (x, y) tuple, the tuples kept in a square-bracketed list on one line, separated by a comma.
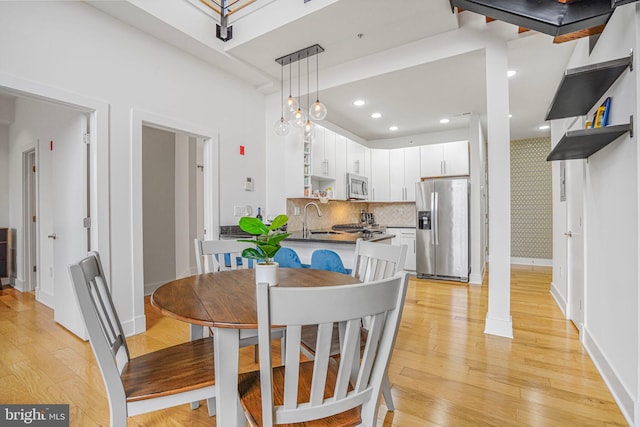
[(326, 259), (375, 261), (287, 258), (304, 397), (221, 255)]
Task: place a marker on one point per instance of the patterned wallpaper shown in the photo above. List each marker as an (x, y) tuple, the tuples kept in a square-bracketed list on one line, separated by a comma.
[(531, 199)]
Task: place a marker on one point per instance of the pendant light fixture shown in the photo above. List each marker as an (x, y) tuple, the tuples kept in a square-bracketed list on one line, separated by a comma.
[(292, 113), (308, 126), (291, 104), (299, 117), (281, 126), (317, 110)]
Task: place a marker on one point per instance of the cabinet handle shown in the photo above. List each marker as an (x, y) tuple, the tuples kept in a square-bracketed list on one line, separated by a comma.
[(441, 167)]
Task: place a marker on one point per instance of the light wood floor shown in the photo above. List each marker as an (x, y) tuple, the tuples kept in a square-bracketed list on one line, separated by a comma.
[(445, 371)]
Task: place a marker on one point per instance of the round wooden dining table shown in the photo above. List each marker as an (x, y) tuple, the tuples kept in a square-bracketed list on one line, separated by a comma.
[(226, 302)]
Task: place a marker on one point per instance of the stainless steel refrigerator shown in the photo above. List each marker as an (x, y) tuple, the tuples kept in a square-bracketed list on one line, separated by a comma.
[(442, 229)]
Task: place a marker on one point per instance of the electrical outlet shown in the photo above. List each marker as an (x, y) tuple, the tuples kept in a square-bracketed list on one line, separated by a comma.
[(238, 211), (296, 211)]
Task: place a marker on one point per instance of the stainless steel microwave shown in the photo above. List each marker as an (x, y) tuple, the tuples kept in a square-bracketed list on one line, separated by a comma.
[(357, 187)]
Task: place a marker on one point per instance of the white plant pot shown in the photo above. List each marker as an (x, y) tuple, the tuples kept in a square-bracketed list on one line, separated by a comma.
[(267, 273)]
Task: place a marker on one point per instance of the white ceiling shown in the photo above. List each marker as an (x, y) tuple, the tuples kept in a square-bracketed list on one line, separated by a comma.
[(378, 66)]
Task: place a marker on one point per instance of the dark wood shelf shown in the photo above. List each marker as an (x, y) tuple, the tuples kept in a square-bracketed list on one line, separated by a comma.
[(582, 87), (582, 143)]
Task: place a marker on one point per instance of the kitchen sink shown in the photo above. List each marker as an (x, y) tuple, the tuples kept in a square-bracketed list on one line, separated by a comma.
[(325, 232)]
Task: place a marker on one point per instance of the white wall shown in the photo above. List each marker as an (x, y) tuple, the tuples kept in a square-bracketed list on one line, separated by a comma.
[(4, 175), (611, 332), (73, 47), (158, 206)]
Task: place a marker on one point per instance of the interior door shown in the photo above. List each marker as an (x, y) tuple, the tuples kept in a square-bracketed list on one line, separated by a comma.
[(575, 241), (63, 238)]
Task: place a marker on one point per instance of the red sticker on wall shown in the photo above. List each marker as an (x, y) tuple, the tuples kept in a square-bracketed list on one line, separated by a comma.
[(242, 150), (51, 145)]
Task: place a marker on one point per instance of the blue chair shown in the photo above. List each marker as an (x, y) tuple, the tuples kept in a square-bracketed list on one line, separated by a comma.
[(288, 258), (325, 259)]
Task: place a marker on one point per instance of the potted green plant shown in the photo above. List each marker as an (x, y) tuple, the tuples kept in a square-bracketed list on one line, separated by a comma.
[(267, 242)]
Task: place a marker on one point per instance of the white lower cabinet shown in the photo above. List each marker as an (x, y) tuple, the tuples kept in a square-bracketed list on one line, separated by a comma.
[(406, 236)]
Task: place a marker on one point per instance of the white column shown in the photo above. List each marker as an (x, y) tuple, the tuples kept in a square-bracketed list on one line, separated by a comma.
[(498, 319)]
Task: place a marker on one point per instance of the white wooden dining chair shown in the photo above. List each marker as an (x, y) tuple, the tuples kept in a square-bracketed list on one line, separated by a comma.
[(220, 255), (321, 391), (223, 255), (372, 261), (161, 379)]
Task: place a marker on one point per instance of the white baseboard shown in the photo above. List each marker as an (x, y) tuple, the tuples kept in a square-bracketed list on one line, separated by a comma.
[(623, 397), (478, 278), (532, 261), (136, 326), (19, 285), (150, 287), (45, 298), (560, 301), (499, 327)]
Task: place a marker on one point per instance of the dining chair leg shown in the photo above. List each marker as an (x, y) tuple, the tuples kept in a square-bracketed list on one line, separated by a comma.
[(255, 353), (386, 392)]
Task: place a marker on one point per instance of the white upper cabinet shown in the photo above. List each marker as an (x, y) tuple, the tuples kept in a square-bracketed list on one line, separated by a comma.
[(455, 156), (323, 153), (448, 159), (340, 187), (404, 172), (356, 158), (411, 172), (379, 175)]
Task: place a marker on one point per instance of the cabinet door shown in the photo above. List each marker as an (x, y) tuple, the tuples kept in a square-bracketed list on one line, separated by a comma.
[(396, 175), (330, 153), (456, 158), (411, 172), (355, 158), (431, 160), (317, 153), (379, 175), (340, 188), (408, 237)]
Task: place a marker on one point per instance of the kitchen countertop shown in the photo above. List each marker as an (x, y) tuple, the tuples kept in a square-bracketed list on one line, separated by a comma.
[(331, 236)]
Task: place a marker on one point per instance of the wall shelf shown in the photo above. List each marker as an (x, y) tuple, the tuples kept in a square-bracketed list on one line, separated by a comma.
[(582, 143), (582, 87)]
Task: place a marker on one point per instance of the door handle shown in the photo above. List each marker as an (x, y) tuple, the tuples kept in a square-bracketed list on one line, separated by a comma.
[(568, 233), (52, 236)]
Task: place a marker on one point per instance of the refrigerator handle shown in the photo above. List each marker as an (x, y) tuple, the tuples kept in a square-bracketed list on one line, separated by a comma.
[(435, 218), (433, 213)]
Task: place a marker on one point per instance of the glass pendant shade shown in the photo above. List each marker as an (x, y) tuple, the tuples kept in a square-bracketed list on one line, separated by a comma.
[(309, 129), (291, 105), (299, 118), (281, 126), (317, 110)]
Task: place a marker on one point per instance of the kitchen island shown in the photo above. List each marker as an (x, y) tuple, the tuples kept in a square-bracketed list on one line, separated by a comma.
[(342, 243)]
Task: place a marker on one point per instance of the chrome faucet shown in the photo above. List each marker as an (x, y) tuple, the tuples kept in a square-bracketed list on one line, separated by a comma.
[(305, 230)]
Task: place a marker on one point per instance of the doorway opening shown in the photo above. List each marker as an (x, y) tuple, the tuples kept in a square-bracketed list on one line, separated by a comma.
[(30, 198), (172, 204)]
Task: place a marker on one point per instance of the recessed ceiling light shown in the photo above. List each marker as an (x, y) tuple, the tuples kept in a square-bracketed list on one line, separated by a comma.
[(376, 115), (544, 127), (393, 128), (444, 121), (358, 102), (511, 73)]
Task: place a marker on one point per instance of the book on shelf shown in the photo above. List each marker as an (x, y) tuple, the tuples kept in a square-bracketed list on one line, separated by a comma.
[(602, 114)]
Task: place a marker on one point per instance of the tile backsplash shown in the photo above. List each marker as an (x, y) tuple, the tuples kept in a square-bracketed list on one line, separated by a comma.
[(343, 212)]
